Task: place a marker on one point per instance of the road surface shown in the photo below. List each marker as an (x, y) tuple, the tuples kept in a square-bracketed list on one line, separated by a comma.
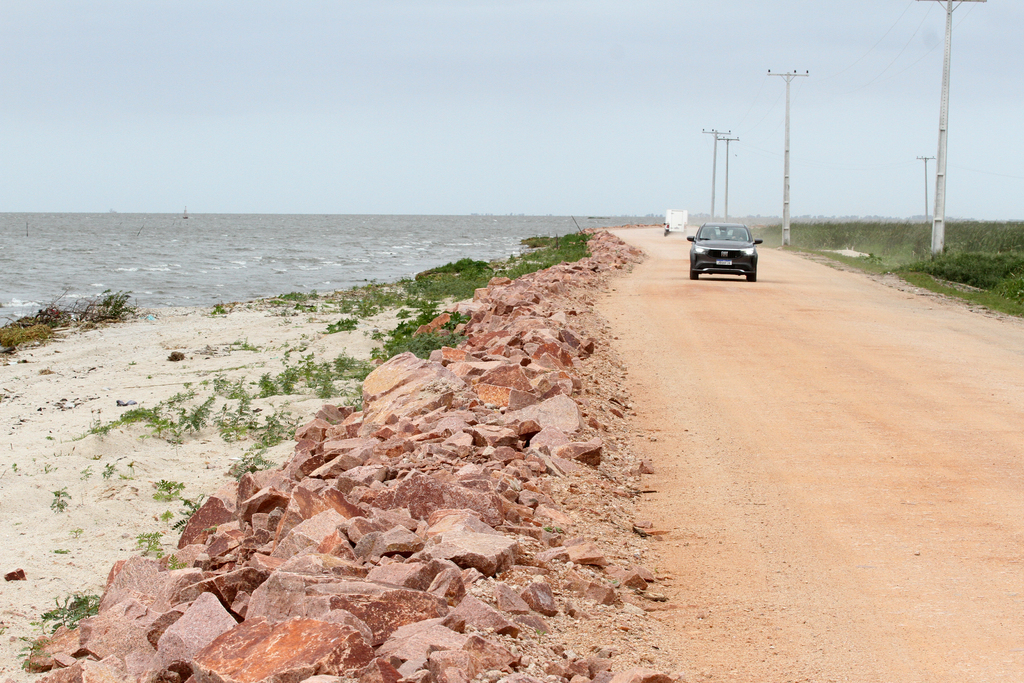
[(841, 466)]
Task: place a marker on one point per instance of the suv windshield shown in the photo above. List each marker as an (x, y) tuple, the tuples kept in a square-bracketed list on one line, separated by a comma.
[(724, 234)]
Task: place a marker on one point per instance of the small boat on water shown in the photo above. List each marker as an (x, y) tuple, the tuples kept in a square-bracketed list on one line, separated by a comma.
[(185, 215)]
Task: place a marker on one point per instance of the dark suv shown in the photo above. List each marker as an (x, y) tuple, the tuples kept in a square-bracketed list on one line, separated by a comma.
[(723, 249)]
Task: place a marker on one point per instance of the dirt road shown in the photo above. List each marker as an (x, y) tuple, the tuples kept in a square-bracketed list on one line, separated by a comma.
[(841, 465)]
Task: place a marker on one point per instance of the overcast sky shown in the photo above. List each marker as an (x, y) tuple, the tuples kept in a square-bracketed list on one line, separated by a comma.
[(512, 106)]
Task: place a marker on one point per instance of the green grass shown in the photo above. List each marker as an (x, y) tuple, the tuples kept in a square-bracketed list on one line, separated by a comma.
[(900, 242), (988, 299), (983, 270), (987, 256)]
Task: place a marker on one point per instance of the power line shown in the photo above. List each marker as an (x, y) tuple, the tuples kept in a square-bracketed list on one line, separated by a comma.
[(1000, 175), (858, 60), (900, 54), (751, 108)]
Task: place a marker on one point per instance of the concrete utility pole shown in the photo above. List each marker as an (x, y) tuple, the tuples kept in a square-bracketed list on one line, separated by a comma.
[(939, 222), (727, 141), (785, 186), (925, 160), (714, 167)]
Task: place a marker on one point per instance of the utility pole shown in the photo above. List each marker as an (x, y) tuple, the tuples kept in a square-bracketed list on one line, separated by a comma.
[(785, 185), (714, 167), (939, 222), (727, 141), (925, 160)]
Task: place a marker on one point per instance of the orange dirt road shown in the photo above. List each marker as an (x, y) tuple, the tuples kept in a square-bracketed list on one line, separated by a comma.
[(841, 466)]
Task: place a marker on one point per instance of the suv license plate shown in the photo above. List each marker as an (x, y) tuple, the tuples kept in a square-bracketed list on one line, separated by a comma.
[(723, 262)]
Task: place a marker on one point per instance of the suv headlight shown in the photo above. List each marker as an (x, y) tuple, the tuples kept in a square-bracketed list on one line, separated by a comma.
[(700, 250), (748, 252)]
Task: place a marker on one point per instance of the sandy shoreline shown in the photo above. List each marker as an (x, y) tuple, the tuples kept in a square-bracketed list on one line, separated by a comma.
[(49, 403)]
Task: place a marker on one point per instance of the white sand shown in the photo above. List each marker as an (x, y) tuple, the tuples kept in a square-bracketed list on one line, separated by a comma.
[(43, 418)]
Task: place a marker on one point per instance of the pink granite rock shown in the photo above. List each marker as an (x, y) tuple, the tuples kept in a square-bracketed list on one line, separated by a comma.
[(539, 597), (286, 652), (478, 614), (488, 553), (203, 621), (422, 495)]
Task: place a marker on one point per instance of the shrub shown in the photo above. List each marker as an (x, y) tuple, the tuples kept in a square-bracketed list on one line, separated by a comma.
[(1012, 288), (985, 271)]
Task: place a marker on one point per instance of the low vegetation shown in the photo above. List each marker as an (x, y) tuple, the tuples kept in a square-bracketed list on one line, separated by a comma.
[(107, 308), (983, 262)]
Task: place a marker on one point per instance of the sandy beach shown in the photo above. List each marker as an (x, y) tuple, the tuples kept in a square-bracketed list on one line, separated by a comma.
[(52, 395)]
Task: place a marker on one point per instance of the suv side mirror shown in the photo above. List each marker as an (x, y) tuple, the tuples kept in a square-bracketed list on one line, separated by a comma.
[(690, 238), (758, 241)]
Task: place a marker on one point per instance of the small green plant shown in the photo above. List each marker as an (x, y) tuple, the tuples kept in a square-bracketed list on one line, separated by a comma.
[(174, 563), (167, 516), (47, 468), (254, 460), (243, 345), (60, 551), (60, 500), (77, 533), (72, 610), (14, 466), (86, 473), (191, 507), (149, 543), (109, 470), (219, 309), (167, 490), (343, 325), (405, 338)]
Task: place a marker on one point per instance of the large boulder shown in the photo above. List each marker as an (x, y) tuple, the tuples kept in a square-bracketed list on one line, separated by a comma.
[(489, 554), (286, 652), (423, 494), (203, 621), (406, 386), (560, 412)]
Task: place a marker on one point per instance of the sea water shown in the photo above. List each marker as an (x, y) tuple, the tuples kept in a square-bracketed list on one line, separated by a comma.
[(205, 259)]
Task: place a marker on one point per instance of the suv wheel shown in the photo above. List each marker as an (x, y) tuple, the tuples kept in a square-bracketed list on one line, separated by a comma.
[(694, 275), (752, 277)]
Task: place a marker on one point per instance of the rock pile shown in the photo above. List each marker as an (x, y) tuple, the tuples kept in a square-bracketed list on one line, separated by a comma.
[(420, 539)]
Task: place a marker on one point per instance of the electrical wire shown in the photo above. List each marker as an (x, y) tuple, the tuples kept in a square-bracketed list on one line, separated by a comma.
[(882, 73), (861, 58), (767, 113), (1000, 175), (931, 50), (751, 108), (832, 165)]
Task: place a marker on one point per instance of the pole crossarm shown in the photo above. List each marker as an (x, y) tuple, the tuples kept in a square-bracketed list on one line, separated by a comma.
[(789, 76)]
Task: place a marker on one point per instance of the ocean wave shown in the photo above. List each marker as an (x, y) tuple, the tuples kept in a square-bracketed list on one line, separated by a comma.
[(18, 303)]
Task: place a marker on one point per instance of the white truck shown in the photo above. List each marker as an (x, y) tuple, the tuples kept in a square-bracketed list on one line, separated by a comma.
[(675, 221)]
